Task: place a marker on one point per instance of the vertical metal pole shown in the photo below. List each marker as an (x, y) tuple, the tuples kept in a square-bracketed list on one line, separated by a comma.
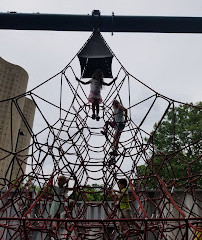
[(20, 133), (96, 20), (187, 229), (145, 230), (24, 228)]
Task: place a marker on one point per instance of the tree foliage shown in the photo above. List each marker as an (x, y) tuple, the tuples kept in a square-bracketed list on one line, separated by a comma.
[(94, 193), (177, 148)]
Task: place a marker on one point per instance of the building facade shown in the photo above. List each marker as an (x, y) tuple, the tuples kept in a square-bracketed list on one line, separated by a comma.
[(14, 108)]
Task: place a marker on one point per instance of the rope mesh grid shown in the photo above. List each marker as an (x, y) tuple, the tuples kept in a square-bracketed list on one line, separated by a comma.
[(66, 141)]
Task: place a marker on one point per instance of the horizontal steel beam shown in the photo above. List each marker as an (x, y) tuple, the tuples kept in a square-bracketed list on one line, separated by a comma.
[(63, 22)]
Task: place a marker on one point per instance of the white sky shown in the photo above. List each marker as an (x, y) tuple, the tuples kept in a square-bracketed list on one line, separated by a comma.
[(168, 63)]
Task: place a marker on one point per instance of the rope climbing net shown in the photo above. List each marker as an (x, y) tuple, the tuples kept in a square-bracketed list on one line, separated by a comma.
[(158, 154)]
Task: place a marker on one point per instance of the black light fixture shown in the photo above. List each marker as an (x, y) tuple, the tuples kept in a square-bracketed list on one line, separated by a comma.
[(95, 55)]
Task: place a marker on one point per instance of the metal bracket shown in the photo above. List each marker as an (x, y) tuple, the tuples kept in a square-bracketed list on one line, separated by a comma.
[(96, 19)]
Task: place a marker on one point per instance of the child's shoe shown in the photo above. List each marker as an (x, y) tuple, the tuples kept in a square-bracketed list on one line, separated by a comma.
[(114, 153), (93, 116), (97, 118), (112, 160)]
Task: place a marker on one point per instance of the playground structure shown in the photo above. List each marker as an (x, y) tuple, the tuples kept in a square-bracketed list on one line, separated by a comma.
[(67, 141)]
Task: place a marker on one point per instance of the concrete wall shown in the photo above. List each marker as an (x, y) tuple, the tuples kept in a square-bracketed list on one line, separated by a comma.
[(19, 167), (13, 83)]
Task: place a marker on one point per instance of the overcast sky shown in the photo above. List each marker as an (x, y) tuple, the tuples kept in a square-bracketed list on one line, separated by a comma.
[(168, 63)]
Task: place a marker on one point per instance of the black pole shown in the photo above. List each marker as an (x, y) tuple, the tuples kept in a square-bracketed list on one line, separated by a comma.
[(62, 22), (145, 230), (20, 133), (187, 229)]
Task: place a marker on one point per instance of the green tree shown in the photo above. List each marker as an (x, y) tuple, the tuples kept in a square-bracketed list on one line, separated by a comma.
[(91, 193), (94, 192), (177, 148)]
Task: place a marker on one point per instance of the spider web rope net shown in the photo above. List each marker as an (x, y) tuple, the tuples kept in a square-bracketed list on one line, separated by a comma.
[(66, 141)]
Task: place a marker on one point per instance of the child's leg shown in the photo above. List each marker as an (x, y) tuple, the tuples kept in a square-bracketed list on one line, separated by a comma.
[(116, 139), (97, 109), (121, 227), (69, 208), (107, 124), (97, 106), (55, 224), (93, 108), (71, 204), (117, 135), (127, 213)]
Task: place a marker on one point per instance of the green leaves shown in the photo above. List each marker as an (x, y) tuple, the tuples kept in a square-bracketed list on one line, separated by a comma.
[(177, 144), (94, 193)]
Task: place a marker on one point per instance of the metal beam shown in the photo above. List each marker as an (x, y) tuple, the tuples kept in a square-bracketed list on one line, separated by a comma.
[(62, 22)]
